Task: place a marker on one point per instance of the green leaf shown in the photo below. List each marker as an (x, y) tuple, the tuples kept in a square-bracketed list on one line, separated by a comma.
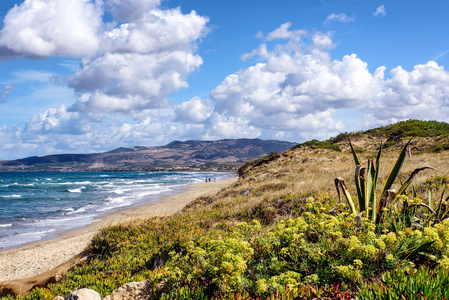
[(340, 184), (406, 184), (405, 254), (360, 185), (376, 179), (371, 189), (441, 202), (396, 169), (356, 159)]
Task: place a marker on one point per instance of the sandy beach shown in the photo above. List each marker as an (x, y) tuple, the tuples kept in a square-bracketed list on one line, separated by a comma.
[(39, 257)]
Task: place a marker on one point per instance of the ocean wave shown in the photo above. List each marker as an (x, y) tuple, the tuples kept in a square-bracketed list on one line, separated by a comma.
[(78, 190), (66, 211), (79, 210), (12, 196), (5, 225), (120, 191)]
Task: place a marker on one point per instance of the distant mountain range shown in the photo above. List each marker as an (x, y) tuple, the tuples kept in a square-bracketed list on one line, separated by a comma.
[(199, 155)]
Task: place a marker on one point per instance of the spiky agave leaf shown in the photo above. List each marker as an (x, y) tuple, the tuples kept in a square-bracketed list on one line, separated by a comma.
[(340, 185), (406, 184), (412, 251), (356, 159), (387, 197), (375, 206), (396, 169), (372, 200), (360, 186), (439, 216)]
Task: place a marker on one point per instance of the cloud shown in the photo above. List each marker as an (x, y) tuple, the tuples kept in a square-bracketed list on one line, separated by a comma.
[(380, 11), (142, 63), (296, 40), (303, 93), (289, 89), (224, 126), (342, 17), (162, 30), (57, 120), (283, 33), (322, 41), (6, 90), (127, 82), (131, 63), (30, 29), (420, 94), (193, 111)]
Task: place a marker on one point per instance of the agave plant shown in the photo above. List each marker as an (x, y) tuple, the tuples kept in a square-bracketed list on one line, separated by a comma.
[(366, 181)]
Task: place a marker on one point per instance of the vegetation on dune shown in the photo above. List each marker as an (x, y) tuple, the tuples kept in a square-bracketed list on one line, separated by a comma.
[(280, 232), (412, 128), (320, 145), (393, 135)]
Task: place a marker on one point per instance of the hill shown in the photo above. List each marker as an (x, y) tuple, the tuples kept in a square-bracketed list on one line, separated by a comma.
[(197, 154), (426, 136)]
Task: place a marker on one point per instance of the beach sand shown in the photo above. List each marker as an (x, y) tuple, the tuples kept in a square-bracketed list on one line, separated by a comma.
[(39, 257)]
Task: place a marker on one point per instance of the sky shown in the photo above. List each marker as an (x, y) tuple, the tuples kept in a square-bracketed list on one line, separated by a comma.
[(85, 76)]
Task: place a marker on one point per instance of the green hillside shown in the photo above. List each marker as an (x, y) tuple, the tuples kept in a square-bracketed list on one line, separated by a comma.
[(434, 136)]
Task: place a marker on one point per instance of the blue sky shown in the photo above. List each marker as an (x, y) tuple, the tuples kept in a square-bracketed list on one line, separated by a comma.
[(86, 76)]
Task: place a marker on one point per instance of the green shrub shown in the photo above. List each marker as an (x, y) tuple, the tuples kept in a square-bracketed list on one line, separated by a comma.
[(389, 144), (416, 284), (320, 145)]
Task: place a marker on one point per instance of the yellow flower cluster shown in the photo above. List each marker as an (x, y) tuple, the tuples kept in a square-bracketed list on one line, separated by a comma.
[(349, 272)]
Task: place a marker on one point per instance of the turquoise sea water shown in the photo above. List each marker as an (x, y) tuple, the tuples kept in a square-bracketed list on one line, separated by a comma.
[(39, 205)]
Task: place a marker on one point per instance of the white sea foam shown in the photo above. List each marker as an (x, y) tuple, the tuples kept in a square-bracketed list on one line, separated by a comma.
[(12, 196), (78, 190), (82, 209), (5, 225), (38, 233), (67, 211)]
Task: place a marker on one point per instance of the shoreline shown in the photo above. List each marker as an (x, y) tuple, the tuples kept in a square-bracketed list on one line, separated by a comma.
[(41, 256)]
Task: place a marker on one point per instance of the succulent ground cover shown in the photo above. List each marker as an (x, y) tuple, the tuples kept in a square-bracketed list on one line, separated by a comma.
[(280, 232)]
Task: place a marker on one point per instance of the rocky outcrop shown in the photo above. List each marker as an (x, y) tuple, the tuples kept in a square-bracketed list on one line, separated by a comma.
[(130, 291), (84, 294)]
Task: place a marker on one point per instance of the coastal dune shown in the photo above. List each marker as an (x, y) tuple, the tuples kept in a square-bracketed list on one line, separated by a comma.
[(39, 261)]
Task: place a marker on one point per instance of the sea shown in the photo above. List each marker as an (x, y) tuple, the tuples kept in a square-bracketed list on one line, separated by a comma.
[(41, 205)]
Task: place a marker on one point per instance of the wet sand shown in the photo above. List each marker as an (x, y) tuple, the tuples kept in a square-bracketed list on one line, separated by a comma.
[(39, 257)]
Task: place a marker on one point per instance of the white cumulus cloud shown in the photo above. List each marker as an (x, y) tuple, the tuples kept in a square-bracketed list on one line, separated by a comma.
[(193, 111), (283, 33), (303, 93), (41, 28)]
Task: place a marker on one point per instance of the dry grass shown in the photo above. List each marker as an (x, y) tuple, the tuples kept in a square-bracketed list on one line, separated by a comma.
[(308, 172)]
